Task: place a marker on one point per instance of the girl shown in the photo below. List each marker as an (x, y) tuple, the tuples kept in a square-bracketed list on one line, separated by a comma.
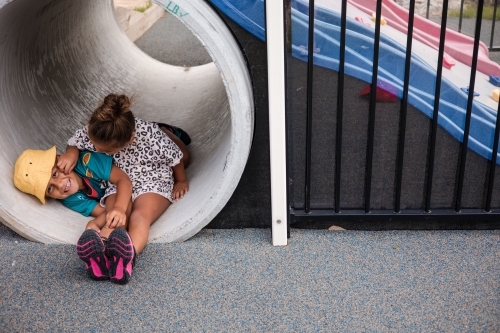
[(153, 158)]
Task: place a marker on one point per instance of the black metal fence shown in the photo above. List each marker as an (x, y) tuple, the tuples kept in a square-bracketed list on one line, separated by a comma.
[(361, 162)]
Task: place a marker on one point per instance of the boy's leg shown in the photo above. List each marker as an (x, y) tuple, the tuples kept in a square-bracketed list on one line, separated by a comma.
[(147, 208), (186, 158)]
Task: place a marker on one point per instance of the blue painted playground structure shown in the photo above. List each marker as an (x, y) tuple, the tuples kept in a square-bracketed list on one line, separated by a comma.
[(249, 14)]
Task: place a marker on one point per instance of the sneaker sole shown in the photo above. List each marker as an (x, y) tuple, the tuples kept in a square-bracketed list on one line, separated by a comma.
[(120, 251), (90, 249)]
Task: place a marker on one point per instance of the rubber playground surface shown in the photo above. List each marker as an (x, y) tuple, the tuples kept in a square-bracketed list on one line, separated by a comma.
[(236, 281)]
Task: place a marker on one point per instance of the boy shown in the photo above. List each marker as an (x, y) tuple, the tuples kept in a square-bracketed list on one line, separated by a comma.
[(81, 190)]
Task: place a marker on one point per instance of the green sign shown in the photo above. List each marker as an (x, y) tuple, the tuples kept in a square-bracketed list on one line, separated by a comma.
[(173, 8)]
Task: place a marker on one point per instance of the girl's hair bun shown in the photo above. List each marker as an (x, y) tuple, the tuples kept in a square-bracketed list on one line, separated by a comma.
[(112, 120), (113, 107)]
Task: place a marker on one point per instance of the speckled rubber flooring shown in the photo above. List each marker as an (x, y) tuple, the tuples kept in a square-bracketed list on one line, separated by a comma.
[(236, 281)]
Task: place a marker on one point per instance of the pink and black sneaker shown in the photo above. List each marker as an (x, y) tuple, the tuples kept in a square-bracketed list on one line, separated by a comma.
[(90, 248), (121, 255)]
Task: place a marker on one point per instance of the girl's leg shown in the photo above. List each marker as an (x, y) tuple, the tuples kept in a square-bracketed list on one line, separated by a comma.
[(185, 151), (147, 208)]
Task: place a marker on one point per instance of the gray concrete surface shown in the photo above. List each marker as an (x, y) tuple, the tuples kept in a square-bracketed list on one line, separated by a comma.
[(169, 41), (236, 281)]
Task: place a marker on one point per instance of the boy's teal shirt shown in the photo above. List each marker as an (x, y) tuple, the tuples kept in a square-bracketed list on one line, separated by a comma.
[(94, 169)]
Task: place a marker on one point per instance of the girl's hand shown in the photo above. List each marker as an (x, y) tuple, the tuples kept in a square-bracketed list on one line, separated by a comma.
[(67, 161), (116, 218), (180, 189)]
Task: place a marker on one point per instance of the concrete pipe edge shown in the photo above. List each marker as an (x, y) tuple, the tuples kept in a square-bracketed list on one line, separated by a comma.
[(26, 216)]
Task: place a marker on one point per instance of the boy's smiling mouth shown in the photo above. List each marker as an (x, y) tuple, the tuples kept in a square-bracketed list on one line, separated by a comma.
[(68, 185)]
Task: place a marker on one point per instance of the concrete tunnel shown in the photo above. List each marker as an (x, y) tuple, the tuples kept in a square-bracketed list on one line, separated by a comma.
[(59, 58)]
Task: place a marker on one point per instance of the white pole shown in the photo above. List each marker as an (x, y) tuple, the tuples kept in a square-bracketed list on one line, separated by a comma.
[(277, 133)]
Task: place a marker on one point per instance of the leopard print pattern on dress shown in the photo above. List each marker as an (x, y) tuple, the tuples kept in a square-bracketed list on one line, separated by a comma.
[(147, 160)]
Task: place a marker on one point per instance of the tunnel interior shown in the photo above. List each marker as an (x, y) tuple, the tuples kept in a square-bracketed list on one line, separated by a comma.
[(59, 58)]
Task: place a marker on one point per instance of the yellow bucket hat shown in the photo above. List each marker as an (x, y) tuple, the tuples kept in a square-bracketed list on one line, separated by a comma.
[(33, 170)]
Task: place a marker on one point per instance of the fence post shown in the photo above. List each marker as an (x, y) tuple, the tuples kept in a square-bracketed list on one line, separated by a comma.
[(275, 39)]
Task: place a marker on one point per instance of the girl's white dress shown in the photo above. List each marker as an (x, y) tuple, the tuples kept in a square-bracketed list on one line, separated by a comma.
[(147, 160)]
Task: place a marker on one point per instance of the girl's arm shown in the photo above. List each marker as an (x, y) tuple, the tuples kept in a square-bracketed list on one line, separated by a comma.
[(181, 186), (99, 222), (171, 144), (67, 161), (98, 210), (79, 141), (117, 216)]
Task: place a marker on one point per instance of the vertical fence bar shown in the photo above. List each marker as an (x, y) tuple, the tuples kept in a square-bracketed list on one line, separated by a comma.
[(310, 67), (373, 102), (461, 16), (428, 7), (404, 109), (435, 114), (493, 23), (493, 165), (340, 106), (470, 100), (277, 130)]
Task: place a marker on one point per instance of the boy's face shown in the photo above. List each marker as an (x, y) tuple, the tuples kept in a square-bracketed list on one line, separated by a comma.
[(61, 186)]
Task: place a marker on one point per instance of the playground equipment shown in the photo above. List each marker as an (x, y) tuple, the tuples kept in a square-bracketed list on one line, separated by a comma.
[(359, 58), (59, 58), (312, 184)]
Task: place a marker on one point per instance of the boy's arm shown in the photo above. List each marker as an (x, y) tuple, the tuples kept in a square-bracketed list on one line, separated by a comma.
[(117, 216), (181, 186), (67, 161)]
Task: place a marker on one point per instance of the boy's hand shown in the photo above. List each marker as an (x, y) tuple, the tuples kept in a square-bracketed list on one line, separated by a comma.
[(116, 218), (179, 190), (67, 161)]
